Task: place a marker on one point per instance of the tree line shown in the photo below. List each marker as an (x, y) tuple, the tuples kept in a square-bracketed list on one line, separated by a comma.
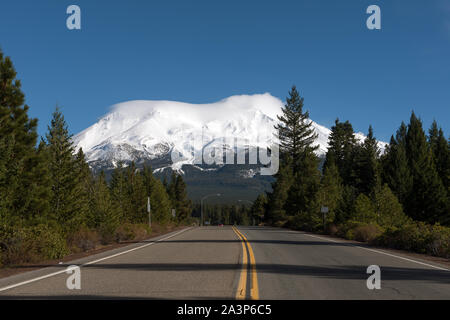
[(51, 202), (369, 194)]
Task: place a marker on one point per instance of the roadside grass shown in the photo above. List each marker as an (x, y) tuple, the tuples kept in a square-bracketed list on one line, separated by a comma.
[(417, 237), (41, 244)]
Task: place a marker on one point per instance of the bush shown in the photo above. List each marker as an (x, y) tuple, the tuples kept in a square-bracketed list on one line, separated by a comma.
[(83, 240), (359, 231), (31, 244), (50, 243), (129, 232), (418, 237), (367, 233), (331, 229)]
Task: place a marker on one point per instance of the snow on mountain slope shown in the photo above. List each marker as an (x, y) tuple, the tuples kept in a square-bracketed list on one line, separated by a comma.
[(151, 129)]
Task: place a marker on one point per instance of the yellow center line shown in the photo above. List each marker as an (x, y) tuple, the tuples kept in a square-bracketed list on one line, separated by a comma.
[(254, 290), (241, 292)]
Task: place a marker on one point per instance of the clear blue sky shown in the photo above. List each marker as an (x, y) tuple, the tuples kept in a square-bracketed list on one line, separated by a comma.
[(205, 50)]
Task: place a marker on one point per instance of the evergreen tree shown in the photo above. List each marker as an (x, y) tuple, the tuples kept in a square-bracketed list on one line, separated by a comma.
[(383, 209), (85, 180), (295, 131), (258, 209), (105, 214), (330, 193), (118, 190), (68, 197), (20, 171), (38, 211), (440, 147), (342, 143), (161, 204), (428, 199), (302, 200), (171, 188), (395, 166), (183, 204), (366, 169), (276, 211), (389, 211), (364, 209), (298, 179), (136, 195)]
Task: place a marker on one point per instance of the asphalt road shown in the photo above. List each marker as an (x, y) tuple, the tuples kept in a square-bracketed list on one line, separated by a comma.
[(242, 263)]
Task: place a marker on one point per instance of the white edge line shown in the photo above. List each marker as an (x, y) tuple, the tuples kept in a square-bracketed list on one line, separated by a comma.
[(91, 262), (381, 252)]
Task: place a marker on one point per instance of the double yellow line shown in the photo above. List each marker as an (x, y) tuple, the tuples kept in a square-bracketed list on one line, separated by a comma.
[(242, 287)]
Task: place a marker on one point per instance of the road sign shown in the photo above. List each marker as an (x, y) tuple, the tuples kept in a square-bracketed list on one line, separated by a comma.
[(324, 209), (173, 213)]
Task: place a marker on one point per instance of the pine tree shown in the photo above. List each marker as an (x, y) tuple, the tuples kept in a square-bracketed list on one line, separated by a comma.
[(342, 143), (68, 198), (366, 168), (105, 214), (38, 211), (171, 188), (330, 193), (85, 180), (295, 191), (428, 199), (295, 131), (20, 186), (161, 204), (183, 204), (389, 211), (383, 208), (440, 147), (118, 190), (302, 200), (136, 195), (259, 207), (395, 166), (276, 211)]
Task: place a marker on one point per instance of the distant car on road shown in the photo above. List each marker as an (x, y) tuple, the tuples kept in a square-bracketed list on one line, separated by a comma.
[(220, 224)]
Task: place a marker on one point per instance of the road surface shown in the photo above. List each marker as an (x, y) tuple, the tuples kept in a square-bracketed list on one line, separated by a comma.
[(237, 263)]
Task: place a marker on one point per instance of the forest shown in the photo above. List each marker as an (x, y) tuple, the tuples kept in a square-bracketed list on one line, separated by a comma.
[(51, 204)]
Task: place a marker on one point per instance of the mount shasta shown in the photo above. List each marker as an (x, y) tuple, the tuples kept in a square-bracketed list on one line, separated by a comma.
[(148, 132)]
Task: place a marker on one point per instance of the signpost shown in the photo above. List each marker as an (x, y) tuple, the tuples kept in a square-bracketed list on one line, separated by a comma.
[(149, 212)]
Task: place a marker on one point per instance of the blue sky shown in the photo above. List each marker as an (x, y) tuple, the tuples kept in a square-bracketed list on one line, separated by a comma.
[(205, 50)]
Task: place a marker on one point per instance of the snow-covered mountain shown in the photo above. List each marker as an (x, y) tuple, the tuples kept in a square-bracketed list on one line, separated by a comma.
[(150, 130)]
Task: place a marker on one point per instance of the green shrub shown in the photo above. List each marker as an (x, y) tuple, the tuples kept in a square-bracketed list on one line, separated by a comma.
[(84, 239), (130, 231), (31, 244), (359, 231), (50, 243), (367, 233), (418, 237)]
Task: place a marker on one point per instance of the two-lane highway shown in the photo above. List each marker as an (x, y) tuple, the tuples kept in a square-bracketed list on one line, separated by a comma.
[(242, 263)]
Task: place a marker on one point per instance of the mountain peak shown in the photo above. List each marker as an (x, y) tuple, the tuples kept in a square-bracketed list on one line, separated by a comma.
[(149, 129)]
